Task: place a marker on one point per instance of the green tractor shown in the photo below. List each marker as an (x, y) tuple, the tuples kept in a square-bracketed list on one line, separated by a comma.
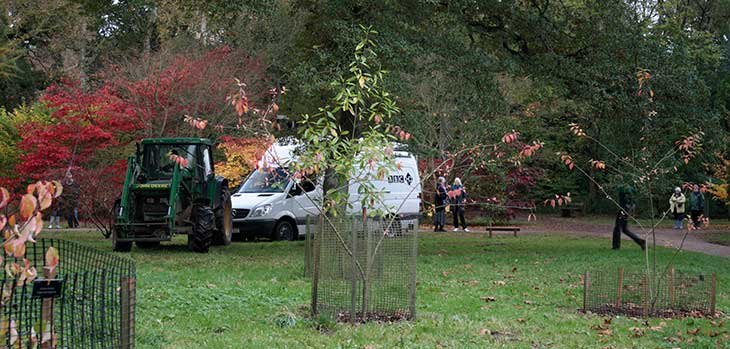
[(171, 188)]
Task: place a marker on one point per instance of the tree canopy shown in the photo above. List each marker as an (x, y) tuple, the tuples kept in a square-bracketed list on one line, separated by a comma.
[(464, 73)]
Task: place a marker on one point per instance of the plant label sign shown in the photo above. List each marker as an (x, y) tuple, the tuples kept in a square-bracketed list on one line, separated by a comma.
[(47, 288)]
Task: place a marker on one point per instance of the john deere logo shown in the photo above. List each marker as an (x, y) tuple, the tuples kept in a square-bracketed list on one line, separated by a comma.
[(409, 178)]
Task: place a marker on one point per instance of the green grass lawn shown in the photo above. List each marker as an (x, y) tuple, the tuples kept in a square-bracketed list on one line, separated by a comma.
[(233, 297)]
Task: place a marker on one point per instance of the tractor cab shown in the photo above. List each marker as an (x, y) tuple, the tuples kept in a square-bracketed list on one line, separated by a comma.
[(157, 160), (171, 188)]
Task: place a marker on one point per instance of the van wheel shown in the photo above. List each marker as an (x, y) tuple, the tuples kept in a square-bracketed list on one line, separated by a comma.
[(284, 230)]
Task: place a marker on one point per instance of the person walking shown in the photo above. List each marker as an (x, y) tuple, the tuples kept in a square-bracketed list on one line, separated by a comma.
[(457, 194), (676, 206), (56, 206), (440, 202), (696, 206), (626, 201), (71, 193)]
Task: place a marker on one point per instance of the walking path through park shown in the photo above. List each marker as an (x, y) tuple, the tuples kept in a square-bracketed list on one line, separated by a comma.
[(665, 237)]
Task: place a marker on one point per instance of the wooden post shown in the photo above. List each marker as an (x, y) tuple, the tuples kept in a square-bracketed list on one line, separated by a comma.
[(315, 263), (671, 287), (586, 285), (713, 295), (620, 288), (47, 313), (127, 296), (353, 272), (490, 231), (645, 296), (515, 232)]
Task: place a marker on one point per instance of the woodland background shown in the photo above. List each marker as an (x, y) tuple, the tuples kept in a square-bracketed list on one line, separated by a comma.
[(81, 80)]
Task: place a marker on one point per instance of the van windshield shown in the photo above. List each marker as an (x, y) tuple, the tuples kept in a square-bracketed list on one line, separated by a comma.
[(266, 182)]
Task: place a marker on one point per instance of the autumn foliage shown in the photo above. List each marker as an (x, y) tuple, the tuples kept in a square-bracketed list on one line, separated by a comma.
[(241, 157), (91, 130)]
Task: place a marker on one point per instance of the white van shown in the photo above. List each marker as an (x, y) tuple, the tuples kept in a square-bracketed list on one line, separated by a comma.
[(269, 203)]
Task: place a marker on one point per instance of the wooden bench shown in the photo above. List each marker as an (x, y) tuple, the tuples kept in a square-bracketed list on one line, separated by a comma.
[(514, 230), (568, 210)]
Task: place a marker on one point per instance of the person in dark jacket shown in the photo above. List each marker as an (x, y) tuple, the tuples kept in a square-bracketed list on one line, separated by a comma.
[(457, 194), (71, 194), (440, 202), (626, 201), (696, 206)]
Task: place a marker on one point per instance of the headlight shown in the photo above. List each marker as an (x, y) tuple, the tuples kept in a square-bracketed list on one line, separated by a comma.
[(261, 211)]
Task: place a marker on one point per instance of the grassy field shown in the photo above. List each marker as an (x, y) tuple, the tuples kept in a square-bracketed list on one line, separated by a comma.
[(233, 297)]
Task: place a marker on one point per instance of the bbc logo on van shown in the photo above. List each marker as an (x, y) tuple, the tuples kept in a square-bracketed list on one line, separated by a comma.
[(401, 179)]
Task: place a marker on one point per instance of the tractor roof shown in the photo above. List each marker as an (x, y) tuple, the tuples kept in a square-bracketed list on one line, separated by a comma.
[(177, 140)]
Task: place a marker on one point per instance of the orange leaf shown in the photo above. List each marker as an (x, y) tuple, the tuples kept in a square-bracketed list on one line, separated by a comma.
[(4, 197), (28, 204), (11, 220), (39, 224), (58, 189), (45, 198), (3, 221), (552, 203), (52, 257), (31, 188), (275, 108), (19, 250)]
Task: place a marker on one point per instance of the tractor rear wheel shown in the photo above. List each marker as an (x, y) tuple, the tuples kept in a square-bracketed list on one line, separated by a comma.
[(224, 220), (200, 238)]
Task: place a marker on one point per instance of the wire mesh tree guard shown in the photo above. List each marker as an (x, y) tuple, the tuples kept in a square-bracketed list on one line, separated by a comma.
[(89, 304), (672, 293), (362, 269)]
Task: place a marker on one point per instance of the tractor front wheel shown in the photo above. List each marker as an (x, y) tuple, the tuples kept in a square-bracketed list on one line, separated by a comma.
[(201, 237), (120, 246), (224, 220)]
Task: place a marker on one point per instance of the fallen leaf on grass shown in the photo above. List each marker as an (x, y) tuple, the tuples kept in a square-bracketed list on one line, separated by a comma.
[(514, 269), (521, 320), (488, 299), (484, 331), (606, 332), (445, 273), (528, 302), (212, 286), (636, 332), (607, 320), (693, 332), (672, 339), (500, 283), (717, 324)]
